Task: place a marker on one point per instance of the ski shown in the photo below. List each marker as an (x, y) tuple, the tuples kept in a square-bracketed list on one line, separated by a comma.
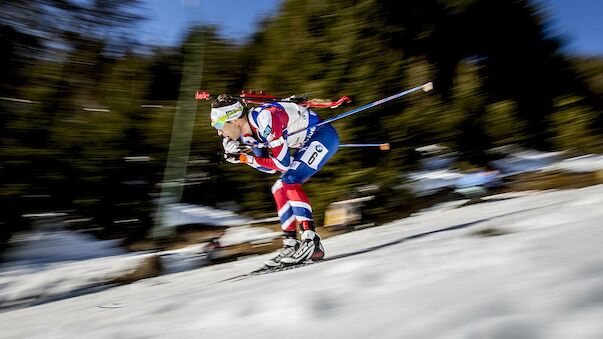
[(261, 97), (268, 270)]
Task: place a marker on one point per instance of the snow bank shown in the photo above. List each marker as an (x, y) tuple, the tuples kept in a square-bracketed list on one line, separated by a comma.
[(526, 161), (33, 283), (427, 182), (183, 214), (243, 234), (47, 247), (47, 265), (581, 164), (431, 181)]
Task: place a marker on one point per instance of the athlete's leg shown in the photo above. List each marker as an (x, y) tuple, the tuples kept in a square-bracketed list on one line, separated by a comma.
[(306, 162), (283, 208)]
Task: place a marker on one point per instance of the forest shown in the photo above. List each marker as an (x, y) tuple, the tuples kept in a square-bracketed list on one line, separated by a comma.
[(88, 113)]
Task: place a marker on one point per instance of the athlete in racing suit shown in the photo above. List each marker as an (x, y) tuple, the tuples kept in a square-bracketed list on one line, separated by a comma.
[(267, 128)]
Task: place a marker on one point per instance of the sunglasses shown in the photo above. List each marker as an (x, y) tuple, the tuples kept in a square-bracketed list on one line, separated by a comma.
[(219, 123)]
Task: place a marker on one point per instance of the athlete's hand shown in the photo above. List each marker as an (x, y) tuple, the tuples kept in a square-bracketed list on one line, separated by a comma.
[(232, 158), (246, 158), (231, 146), (242, 158)]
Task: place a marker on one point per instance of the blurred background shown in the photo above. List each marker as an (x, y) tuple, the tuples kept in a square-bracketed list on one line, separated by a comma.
[(98, 118)]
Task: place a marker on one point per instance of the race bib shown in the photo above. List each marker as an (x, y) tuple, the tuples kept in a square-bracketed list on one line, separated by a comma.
[(314, 154)]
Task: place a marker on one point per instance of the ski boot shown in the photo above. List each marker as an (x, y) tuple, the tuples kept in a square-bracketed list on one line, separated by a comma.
[(309, 249), (290, 246)]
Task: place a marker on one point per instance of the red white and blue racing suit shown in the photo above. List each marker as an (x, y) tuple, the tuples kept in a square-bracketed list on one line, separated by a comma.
[(271, 124)]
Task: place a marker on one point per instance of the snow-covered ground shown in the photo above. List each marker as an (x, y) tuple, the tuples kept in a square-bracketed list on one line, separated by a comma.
[(49, 265), (427, 276)]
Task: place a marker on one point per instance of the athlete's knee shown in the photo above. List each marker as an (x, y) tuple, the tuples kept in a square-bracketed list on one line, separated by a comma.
[(290, 179), (277, 185)]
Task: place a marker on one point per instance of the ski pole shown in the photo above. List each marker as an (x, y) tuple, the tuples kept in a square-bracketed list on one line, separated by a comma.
[(383, 147), (425, 87)]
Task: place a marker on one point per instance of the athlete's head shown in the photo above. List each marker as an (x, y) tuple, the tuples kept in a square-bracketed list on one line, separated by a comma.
[(227, 115)]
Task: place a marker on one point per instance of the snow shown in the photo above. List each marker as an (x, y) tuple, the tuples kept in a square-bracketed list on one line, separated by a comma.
[(519, 160), (426, 276), (581, 164), (184, 214), (47, 247), (49, 265), (479, 178), (429, 181), (443, 206), (242, 234), (434, 177)]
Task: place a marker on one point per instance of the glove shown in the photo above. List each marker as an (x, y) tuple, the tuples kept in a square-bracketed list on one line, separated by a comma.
[(231, 146), (245, 158), (232, 158), (239, 158)]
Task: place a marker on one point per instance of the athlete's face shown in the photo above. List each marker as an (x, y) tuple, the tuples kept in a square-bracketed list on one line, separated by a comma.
[(231, 130)]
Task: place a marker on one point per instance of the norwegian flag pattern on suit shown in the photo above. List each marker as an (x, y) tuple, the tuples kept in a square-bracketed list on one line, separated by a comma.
[(270, 124)]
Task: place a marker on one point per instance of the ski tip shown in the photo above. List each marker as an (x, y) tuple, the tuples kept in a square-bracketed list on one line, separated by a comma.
[(428, 87), (384, 147)]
